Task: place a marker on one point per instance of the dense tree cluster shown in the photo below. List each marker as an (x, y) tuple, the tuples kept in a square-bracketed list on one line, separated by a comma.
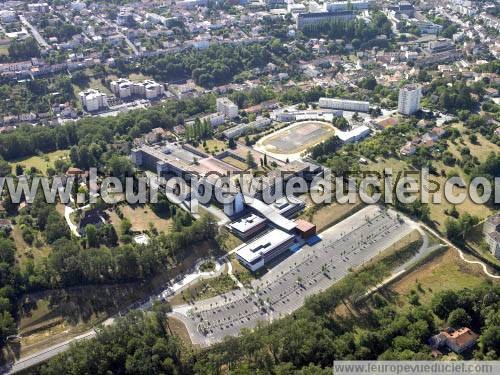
[(454, 95), (137, 344), (62, 31), (199, 131), (35, 96), (358, 32), (69, 264), (10, 288), (328, 147), (213, 66), (478, 309), (91, 136), (23, 49)]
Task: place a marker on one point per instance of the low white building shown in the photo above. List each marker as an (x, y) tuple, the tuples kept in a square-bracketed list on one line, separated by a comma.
[(257, 253), (353, 135), (260, 123), (7, 16), (214, 119)]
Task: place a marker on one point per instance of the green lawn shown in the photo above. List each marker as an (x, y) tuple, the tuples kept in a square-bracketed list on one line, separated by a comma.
[(42, 161), (445, 271), (212, 145), (205, 289), (481, 149)]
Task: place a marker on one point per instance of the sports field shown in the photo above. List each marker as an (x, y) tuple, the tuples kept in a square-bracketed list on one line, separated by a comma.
[(296, 138)]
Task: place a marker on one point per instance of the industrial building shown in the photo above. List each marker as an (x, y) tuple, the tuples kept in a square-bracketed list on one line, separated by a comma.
[(185, 161), (344, 104), (337, 6)]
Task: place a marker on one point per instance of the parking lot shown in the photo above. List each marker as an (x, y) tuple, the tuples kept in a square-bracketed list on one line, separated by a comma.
[(283, 289)]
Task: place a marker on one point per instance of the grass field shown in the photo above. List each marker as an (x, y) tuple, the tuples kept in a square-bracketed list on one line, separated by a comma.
[(140, 216), (138, 77), (228, 240), (59, 315), (212, 146), (326, 216), (178, 329), (95, 83), (445, 271), (481, 149), (205, 289), (4, 50), (25, 251), (235, 163), (242, 273), (41, 162), (437, 210), (412, 241)]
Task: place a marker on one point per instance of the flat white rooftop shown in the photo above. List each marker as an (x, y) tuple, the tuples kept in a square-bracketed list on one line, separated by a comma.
[(246, 223), (271, 213), (263, 245)]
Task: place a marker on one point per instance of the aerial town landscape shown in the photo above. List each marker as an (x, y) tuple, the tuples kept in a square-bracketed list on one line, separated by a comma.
[(294, 104)]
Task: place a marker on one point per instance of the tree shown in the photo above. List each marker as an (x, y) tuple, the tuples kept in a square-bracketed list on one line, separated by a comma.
[(24, 49), (369, 83), (91, 234), (443, 303), (452, 228), (125, 226), (489, 342), (120, 167), (459, 318), (7, 326), (56, 227), (5, 169), (250, 160)]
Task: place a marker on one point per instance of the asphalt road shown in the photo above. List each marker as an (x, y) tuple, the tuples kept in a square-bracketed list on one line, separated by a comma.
[(283, 289)]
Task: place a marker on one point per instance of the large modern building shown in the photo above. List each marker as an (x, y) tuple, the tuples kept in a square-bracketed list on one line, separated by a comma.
[(344, 104), (409, 99), (93, 100), (262, 250), (227, 107)]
